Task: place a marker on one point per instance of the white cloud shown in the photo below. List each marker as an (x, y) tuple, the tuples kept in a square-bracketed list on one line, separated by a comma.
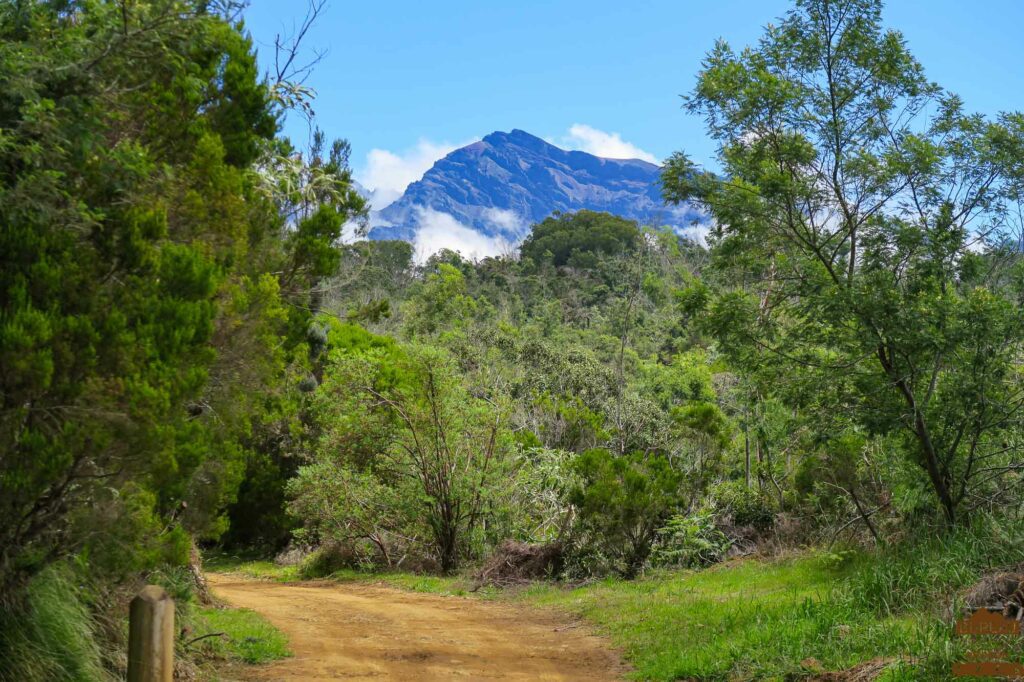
[(697, 232), (387, 174), (599, 143), (437, 230), (507, 222), (352, 231), (692, 223)]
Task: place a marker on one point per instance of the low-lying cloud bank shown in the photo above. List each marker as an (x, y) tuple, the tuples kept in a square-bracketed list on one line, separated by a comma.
[(437, 230), (505, 230)]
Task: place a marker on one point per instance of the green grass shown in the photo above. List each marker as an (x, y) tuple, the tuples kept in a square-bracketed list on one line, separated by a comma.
[(52, 636), (241, 635), (447, 585), (251, 567), (247, 636), (262, 569), (749, 620), (761, 620)]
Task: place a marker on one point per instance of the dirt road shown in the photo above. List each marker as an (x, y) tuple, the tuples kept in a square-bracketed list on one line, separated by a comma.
[(366, 632)]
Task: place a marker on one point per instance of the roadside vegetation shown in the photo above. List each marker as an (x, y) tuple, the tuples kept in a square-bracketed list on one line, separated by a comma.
[(793, 617), (781, 451), (159, 244), (314, 569), (247, 637), (212, 634), (790, 616)]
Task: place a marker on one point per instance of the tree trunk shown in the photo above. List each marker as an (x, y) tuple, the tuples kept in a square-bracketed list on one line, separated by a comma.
[(195, 568), (448, 547), (865, 516), (921, 432), (746, 451)]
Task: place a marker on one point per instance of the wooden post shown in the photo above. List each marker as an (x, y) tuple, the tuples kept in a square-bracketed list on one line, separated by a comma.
[(151, 636)]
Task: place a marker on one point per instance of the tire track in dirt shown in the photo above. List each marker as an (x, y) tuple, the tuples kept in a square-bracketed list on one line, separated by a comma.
[(367, 632)]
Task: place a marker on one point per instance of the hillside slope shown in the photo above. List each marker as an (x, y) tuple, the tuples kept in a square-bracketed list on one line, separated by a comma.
[(508, 181)]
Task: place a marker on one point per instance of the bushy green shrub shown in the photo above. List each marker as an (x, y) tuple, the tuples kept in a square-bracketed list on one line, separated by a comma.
[(408, 461), (580, 239), (535, 508), (746, 506), (622, 501), (329, 559)]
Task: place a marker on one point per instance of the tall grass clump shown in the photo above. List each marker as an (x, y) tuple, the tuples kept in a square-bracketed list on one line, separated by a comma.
[(930, 573), (926, 579), (50, 635)]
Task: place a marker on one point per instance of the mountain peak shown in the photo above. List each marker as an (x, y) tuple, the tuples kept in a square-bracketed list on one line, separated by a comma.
[(516, 137), (509, 180)]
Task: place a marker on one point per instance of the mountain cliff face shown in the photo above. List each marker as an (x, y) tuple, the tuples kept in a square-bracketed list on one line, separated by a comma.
[(508, 181)]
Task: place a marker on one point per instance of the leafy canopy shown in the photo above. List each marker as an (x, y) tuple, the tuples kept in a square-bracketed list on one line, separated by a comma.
[(578, 239), (861, 221)]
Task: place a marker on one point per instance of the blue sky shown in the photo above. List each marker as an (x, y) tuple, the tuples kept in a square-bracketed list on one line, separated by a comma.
[(407, 80)]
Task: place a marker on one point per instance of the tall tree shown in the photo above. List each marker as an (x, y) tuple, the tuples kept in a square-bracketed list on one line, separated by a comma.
[(865, 215), (142, 304), (405, 452)]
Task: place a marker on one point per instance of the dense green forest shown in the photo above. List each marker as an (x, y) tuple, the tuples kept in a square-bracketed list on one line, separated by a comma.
[(192, 357)]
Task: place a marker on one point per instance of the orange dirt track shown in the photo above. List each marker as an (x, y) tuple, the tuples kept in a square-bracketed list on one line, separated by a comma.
[(367, 632)]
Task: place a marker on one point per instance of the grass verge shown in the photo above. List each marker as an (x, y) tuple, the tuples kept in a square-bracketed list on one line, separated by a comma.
[(748, 620), (210, 637), (251, 567), (775, 620), (262, 569), (789, 619), (245, 637)]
